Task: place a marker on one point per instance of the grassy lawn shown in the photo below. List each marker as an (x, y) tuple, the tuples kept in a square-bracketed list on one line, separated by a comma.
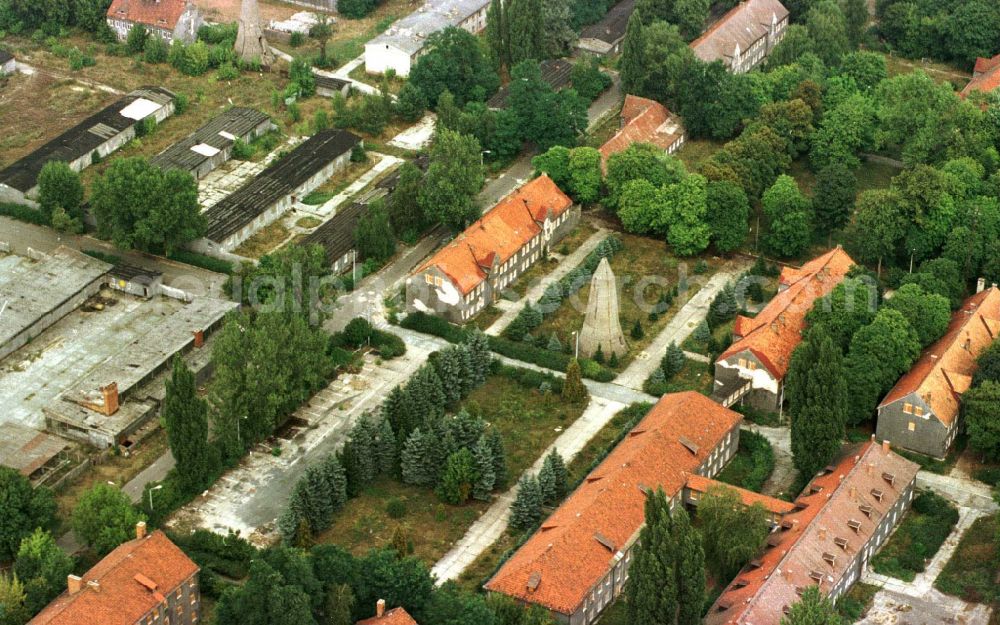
[(485, 318), (917, 538), (118, 469), (395, 83), (340, 181), (695, 376), (644, 271), (694, 152), (941, 72), (308, 222), (973, 569), (752, 464), (540, 269), (267, 240), (702, 347)]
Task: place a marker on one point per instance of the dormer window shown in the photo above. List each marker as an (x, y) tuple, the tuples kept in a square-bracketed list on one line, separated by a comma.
[(877, 494), (854, 525), (830, 558), (816, 576), (889, 477), (841, 542)]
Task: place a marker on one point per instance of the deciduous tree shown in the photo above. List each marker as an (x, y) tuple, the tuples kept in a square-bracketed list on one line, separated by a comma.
[(104, 518), (186, 417), (454, 177), (22, 510)]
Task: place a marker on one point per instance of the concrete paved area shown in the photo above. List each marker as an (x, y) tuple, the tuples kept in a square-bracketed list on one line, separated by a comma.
[(784, 473), (418, 136), (680, 327), (329, 208), (893, 608), (233, 174), (567, 264), (491, 525)]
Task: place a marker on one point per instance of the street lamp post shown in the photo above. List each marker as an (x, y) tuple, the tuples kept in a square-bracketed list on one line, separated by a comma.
[(157, 487), (239, 441), (576, 352)]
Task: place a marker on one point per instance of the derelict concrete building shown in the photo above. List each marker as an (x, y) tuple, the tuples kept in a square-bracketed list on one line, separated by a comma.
[(92, 139), (212, 144)]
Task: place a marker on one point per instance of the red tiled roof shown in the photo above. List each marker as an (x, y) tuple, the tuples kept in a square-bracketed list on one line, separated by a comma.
[(776, 331), (577, 545), (986, 76), (155, 13), (645, 121), (701, 484), (395, 616), (500, 233), (944, 371), (744, 24), (822, 524), (124, 577)]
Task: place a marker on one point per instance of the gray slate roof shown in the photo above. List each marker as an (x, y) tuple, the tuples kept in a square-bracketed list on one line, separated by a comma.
[(742, 25)]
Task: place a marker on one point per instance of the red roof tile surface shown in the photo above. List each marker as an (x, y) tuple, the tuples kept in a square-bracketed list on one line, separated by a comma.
[(154, 13), (986, 76), (944, 370), (501, 232), (565, 555), (819, 526), (124, 577), (744, 24), (701, 484), (645, 121), (395, 616), (776, 331)]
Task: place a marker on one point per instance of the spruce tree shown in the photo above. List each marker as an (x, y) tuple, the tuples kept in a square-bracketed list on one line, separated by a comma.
[(479, 350), (526, 510), (394, 409), (385, 448), (559, 471), (448, 365), (465, 429), (673, 361), (633, 59), (485, 474), (186, 418), (288, 524), (424, 398), (336, 480), (458, 478), (573, 388), (554, 344), (363, 447), (637, 331), (419, 459), (702, 333), (464, 357), (547, 484), (819, 410), (495, 440)]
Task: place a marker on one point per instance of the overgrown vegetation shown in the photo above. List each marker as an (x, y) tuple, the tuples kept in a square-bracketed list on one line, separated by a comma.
[(917, 538)]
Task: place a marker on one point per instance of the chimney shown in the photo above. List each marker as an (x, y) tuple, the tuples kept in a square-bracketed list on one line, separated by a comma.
[(94, 585), (885, 446), (199, 338), (140, 529), (109, 393), (822, 533), (380, 608), (73, 584), (980, 285)]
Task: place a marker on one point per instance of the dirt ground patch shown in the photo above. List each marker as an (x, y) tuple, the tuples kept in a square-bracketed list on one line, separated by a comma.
[(229, 10), (35, 108)]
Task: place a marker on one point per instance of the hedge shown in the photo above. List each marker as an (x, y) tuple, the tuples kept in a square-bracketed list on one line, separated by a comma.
[(200, 260), (518, 350), (111, 259), (360, 332), (23, 213)]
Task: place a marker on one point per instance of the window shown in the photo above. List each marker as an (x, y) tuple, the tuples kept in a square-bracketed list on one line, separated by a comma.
[(428, 278), (751, 365), (438, 281), (918, 410), (912, 426), (908, 408), (743, 362)]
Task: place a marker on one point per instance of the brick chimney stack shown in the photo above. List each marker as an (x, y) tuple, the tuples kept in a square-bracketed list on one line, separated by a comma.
[(380, 608), (109, 393), (885, 446), (74, 584), (140, 530), (199, 338)]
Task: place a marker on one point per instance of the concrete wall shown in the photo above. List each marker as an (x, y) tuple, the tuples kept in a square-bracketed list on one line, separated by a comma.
[(380, 57), (733, 373), (433, 292), (924, 434), (9, 67)]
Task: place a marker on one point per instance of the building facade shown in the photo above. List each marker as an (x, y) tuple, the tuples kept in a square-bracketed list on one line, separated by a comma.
[(921, 412), (398, 48), (743, 37), (169, 20), (146, 581), (8, 65), (212, 145), (577, 562), (469, 273), (841, 519), (752, 370)]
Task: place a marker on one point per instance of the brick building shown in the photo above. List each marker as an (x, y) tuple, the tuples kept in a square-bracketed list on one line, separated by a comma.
[(921, 412), (645, 121), (753, 368), (469, 273), (166, 19), (395, 616), (837, 524), (577, 563), (743, 37), (985, 76), (146, 581)]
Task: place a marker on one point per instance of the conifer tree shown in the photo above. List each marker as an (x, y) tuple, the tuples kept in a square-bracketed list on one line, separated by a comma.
[(385, 448), (394, 409), (497, 36), (419, 459), (652, 584), (819, 409), (458, 478), (288, 524), (673, 361), (633, 59), (464, 357), (637, 331), (573, 388), (186, 418), (399, 542), (526, 510), (524, 30), (465, 429), (336, 480), (485, 475), (448, 366), (363, 448), (499, 457), (559, 472), (424, 399), (702, 333), (690, 569), (547, 484), (479, 350), (554, 344)]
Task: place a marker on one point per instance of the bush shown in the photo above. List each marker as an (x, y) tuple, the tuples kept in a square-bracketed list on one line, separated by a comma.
[(752, 464), (200, 260), (227, 71), (155, 51), (359, 332), (918, 537), (23, 213), (296, 39), (431, 324), (396, 508)]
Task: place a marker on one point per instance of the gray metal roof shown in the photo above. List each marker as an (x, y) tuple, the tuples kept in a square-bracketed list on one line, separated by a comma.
[(218, 134), (743, 25), (611, 28), (411, 32)]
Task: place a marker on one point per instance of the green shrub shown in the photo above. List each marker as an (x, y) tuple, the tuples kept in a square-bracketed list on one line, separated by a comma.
[(111, 259), (918, 537), (296, 39), (242, 151), (23, 213), (396, 508), (227, 71), (200, 260)]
